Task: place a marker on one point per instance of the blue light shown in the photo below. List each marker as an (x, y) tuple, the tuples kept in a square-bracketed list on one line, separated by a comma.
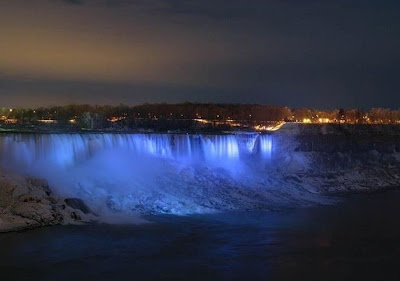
[(135, 167)]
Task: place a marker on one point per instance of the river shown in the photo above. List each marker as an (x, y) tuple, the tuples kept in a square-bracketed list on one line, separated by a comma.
[(356, 239)]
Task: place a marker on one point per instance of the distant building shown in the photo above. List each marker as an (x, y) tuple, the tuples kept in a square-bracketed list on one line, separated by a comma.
[(11, 121), (48, 121)]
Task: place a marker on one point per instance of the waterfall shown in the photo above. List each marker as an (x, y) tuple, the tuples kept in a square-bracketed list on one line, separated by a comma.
[(24, 150), (265, 143), (167, 173)]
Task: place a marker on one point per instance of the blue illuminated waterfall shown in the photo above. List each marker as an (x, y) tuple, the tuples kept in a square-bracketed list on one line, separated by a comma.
[(24, 150), (145, 173)]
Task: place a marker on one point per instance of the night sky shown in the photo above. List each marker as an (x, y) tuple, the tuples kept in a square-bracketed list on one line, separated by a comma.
[(322, 54)]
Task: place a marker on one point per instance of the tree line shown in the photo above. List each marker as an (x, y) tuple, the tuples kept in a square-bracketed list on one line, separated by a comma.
[(186, 114)]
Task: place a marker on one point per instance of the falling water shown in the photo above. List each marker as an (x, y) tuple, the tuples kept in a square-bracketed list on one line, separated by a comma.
[(167, 173), (24, 150)]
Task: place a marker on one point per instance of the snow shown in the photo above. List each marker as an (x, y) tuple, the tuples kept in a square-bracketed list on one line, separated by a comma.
[(28, 203)]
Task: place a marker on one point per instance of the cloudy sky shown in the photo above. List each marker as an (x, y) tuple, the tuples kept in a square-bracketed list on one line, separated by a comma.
[(295, 53)]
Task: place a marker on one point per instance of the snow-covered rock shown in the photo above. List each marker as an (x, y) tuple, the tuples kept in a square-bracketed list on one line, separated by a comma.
[(28, 203)]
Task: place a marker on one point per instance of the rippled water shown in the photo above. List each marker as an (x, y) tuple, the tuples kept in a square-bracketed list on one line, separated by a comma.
[(358, 239)]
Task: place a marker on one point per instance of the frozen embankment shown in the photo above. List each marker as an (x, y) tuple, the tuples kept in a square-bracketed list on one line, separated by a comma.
[(29, 203), (344, 158), (123, 174)]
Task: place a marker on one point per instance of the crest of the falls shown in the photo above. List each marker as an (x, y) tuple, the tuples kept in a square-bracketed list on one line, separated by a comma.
[(23, 151)]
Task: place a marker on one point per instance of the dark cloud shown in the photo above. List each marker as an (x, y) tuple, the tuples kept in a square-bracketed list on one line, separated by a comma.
[(74, 2), (317, 53)]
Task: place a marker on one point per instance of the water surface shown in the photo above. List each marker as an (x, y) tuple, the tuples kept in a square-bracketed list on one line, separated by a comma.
[(358, 239)]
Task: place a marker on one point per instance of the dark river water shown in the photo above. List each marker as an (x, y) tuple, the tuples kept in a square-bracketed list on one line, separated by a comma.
[(357, 239)]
